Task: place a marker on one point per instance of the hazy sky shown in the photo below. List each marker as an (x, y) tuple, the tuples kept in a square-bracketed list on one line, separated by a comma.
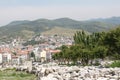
[(11, 10)]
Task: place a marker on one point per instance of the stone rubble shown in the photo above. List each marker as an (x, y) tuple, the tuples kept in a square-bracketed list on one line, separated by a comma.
[(55, 72)]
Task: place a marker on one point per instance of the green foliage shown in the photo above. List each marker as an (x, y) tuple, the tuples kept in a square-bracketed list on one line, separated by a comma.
[(91, 47), (100, 52), (112, 41), (115, 56), (12, 69), (15, 53), (24, 75), (11, 74), (33, 42), (115, 64), (32, 54)]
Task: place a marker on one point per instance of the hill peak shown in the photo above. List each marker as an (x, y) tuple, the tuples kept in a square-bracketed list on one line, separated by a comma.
[(18, 22), (64, 19), (39, 20)]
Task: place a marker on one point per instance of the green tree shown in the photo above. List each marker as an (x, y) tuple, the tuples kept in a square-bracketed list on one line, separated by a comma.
[(15, 53), (112, 41), (87, 48), (32, 54)]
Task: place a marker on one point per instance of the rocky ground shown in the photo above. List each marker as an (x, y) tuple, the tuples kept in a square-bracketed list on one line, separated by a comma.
[(52, 71)]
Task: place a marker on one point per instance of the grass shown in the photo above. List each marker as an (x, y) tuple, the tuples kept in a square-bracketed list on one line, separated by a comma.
[(115, 64), (13, 75), (61, 32)]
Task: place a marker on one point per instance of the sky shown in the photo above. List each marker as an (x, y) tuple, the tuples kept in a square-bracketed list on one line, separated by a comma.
[(11, 10)]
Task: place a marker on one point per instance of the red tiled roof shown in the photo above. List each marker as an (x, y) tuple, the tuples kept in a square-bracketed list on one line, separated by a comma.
[(13, 57), (55, 51), (5, 49)]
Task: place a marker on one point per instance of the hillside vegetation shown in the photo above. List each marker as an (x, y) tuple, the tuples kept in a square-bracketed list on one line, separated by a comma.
[(61, 31), (26, 29)]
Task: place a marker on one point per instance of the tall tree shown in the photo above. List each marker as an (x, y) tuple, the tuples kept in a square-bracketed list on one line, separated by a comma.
[(112, 41)]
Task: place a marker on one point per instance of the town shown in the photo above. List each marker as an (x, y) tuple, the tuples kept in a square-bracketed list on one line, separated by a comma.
[(16, 52)]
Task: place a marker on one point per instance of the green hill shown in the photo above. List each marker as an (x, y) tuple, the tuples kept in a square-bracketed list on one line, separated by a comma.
[(26, 29)]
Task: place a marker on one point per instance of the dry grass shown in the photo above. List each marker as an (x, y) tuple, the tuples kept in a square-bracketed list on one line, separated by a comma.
[(61, 31), (13, 75)]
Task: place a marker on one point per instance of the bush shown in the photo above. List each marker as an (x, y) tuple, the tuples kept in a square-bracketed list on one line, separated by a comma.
[(115, 64), (13, 74)]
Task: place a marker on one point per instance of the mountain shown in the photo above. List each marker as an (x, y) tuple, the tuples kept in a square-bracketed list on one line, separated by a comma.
[(112, 20), (26, 29)]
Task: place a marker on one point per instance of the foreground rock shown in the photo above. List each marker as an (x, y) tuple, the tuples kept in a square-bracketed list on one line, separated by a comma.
[(55, 72), (85, 73)]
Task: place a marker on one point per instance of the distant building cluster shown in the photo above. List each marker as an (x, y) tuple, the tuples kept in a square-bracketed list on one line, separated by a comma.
[(16, 54)]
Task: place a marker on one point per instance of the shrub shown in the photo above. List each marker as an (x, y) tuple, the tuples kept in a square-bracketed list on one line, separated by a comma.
[(115, 64)]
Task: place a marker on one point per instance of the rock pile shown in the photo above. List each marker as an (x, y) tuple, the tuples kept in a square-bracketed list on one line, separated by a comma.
[(55, 72), (76, 73)]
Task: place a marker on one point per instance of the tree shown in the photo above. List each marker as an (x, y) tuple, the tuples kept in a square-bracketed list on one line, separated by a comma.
[(32, 54), (100, 52), (112, 41), (15, 53), (90, 47)]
